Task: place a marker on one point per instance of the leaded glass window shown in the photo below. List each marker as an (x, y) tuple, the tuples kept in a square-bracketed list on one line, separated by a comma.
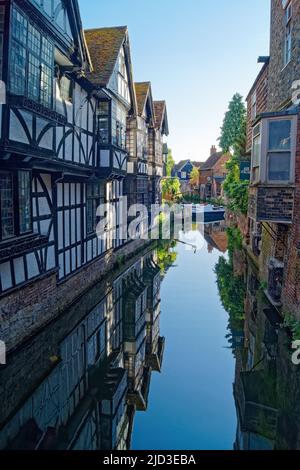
[(31, 61), (94, 197), (7, 206), (17, 68), (15, 203), (24, 196)]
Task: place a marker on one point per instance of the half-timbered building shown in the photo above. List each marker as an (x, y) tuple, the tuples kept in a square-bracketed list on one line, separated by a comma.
[(50, 179), (112, 77), (137, 141), (69, 95), (156, 148)]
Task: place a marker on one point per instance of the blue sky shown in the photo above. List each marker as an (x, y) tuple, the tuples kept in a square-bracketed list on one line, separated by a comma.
[(196, 53)]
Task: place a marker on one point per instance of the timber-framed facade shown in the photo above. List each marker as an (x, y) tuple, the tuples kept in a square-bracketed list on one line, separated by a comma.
[(64, 144)]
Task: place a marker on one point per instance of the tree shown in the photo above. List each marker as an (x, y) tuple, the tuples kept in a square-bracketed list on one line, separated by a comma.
[(194, 177), (233, 131), (233, 138), (171, 189), (170, 163)]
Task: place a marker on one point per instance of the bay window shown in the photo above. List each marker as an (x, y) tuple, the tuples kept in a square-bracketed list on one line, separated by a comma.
[(15, 204), (273, 150), (31, 61)]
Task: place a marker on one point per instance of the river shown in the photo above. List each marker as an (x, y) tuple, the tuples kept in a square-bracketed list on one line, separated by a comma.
[(177, 349)]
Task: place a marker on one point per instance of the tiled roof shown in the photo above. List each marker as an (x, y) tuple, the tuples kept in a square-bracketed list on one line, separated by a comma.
[(180, 164), (211, 161), (104, 45), (141, 91)]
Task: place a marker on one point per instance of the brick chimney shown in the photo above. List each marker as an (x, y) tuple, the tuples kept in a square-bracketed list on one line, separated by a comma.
[(213, 150)]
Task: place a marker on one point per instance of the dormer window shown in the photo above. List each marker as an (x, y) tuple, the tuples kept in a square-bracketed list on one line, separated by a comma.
[(273, 150)]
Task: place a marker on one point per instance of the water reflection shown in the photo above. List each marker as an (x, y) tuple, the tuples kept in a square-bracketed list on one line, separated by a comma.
[(267, 384), (78, 384), (81, 382)]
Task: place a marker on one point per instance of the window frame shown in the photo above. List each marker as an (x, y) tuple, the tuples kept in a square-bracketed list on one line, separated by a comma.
[(265, 151), (107, 116), (16, 205), (97, 199), (45, 44)]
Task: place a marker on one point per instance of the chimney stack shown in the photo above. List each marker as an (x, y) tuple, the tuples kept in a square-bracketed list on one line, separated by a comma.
[(213, 150)]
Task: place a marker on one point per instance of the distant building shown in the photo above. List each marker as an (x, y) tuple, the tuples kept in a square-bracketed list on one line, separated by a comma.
[(184, 168), (213, 173)]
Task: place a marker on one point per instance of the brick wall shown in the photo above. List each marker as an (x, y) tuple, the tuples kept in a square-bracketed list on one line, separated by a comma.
[(26, 310), (291, 291), (280, 77), (260, 87)]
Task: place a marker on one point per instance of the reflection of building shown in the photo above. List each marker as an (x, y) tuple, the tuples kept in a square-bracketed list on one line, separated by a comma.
[(215, 235), (266, 387), (95, 365)]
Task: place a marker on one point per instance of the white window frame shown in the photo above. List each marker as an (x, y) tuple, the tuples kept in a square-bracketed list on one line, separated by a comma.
[(264, 150)]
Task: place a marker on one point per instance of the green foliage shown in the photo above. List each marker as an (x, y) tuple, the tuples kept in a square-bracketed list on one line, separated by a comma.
[(170, 163), (166, 255), (235, 239), (194, 177), (192, 198), (237, 191), (232, 289), (171, 189), (232, 293), (233, 131), (293, 325)]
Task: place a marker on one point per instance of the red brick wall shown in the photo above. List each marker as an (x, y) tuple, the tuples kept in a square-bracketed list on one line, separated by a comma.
[(220, 167), (26, 310), (291, 291), (281, 77), (261, 88)]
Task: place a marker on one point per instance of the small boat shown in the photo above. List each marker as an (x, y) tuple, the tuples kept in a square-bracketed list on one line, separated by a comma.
[(209, 212)]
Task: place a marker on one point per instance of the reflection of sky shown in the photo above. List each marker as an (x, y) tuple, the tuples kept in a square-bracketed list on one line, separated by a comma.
[(191, 403)]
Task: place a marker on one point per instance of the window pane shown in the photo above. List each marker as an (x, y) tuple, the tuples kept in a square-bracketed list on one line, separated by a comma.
[(34, 40), (280, 135), (46, 85), (104, 108), (19, 27), (7, 207), (24, 182), (279, 166), (17, 68), (47, 52), (256, 151), (33, 78), (103, 129)]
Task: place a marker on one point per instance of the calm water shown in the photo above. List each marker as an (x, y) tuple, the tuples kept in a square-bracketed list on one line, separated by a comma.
[(191, 403), (142, 361)]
